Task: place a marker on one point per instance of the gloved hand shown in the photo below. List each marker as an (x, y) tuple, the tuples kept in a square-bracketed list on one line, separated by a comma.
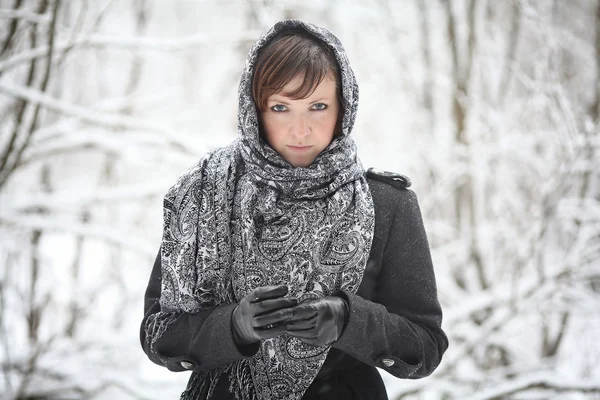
[(318, 322), (262, 314)]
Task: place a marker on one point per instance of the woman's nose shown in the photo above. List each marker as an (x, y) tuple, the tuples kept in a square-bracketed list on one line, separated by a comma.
[(300, 126)]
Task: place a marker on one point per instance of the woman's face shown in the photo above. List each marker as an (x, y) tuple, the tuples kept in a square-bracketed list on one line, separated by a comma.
[(300, 129)]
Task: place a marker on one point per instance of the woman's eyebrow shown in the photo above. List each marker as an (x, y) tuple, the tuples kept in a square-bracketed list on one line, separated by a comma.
[(278, 100)]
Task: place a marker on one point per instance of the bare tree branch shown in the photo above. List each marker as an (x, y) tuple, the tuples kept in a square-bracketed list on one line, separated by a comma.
[(5, 172), (21, 109), (511, 52), (11, 31), (25, 16), (3, 328), (426, 51)]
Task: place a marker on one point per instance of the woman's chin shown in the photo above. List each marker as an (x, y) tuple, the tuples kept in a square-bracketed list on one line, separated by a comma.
[(301, 164)]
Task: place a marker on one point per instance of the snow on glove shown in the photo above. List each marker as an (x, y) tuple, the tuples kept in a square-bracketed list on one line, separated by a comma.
[(318, 322), (262, 314)]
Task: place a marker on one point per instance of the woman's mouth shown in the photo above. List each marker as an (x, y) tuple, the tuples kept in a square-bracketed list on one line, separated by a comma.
[(299, 149)]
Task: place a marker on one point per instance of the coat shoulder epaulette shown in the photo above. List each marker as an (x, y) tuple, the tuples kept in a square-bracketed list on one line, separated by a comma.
[(396, 180)]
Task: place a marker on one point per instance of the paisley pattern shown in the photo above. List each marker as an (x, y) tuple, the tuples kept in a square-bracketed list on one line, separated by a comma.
[(243, 217)]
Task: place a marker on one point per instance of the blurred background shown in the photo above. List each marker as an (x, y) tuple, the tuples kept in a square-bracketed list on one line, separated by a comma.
[(490, 107)]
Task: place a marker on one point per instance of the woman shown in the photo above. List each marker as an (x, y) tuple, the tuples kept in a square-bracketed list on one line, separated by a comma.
[(285, 271)]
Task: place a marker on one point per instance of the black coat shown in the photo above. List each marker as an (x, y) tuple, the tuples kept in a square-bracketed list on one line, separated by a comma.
[(394, 322)]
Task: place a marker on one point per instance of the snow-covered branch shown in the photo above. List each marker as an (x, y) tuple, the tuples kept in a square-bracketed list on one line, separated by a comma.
[(110, 235), (168, 44), (109, 120), (498, 296), (142, 44), (27, 16), (62, 201), (547, 381)]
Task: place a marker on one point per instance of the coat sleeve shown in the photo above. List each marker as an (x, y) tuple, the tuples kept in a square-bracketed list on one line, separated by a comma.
[(400, 331), (200, 341)]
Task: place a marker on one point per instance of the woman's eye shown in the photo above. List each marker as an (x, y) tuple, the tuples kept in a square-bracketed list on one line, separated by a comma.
[(319, 106), (278, 108)]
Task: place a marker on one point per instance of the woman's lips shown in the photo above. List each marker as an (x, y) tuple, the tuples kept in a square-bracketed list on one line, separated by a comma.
[(299, 149)]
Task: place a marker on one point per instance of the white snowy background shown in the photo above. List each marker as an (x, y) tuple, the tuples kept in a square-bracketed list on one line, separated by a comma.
[(490, 107)]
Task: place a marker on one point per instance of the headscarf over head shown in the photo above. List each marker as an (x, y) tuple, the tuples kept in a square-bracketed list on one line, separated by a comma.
[(243, 217)]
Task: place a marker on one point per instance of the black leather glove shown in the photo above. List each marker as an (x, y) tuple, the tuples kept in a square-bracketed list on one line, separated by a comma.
[(319, 322), (262, 314)]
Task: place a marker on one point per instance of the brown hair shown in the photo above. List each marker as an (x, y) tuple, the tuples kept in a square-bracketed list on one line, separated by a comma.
[(291, 53)]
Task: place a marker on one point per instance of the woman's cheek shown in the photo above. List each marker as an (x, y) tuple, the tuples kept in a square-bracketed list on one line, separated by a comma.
[(324, 121), (325, 116), (274, 122), (280, 119)]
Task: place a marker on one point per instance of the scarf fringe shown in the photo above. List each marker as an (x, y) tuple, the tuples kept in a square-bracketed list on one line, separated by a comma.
[(202, 385), (156, 325)]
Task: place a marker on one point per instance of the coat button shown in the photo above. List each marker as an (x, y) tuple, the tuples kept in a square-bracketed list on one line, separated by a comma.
[(187, 364), (387, 362)]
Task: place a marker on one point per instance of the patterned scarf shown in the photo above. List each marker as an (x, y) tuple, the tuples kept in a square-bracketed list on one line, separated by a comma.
[(243, 217)]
